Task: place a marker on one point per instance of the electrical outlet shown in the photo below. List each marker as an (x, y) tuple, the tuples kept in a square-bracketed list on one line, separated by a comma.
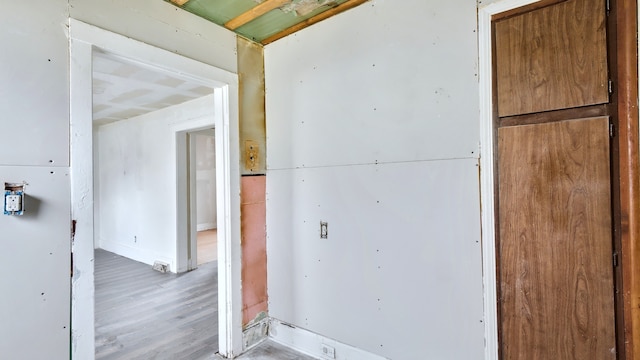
[(324, 230), (14, 198), (328, 352), (13, 203)]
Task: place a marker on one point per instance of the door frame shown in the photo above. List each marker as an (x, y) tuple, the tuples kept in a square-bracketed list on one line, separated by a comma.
[(190, 230), (83, 38), (487, 176), (626, 83)]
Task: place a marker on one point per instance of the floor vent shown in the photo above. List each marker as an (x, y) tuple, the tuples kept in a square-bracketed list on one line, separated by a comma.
[(160, 266)]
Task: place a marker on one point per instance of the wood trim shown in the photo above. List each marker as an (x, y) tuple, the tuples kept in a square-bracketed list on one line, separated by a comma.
[(179, 2), (523, 9), (322, 16), (253, 13), (627, 106)]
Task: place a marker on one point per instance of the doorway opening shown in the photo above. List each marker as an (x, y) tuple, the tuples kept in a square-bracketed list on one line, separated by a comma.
[(87, 41), (202, 197), (138, 113)]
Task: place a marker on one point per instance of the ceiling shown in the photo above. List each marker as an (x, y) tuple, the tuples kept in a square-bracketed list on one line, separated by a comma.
[(123, 89), (265, 21)]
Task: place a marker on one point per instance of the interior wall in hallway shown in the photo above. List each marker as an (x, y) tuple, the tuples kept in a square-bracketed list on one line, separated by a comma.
[(372, 127), (137, 174), (205, 181)]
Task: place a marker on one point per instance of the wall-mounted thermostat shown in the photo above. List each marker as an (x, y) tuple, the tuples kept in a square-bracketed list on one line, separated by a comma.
[(14, 198)]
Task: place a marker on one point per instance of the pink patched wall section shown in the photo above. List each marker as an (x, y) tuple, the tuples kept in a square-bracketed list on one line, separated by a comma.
[(254, 247)]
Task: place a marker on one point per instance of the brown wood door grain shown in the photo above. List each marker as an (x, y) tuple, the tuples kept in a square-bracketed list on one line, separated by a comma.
[(552, 58), (555, 245)]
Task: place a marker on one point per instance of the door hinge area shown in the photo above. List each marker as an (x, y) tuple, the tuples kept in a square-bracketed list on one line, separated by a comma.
[(608, 5), (612, 130), (610, 86), (615, 259)]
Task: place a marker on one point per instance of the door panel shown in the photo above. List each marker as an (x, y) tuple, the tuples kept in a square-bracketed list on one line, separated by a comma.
[(552, 58), (555, 248)]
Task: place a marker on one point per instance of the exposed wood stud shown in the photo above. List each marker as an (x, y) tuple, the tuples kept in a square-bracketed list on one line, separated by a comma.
[(322, 16), (254, 13), (179, 2)]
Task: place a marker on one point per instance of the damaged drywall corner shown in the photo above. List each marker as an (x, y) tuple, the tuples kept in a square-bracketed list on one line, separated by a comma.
[(256, 331), (262, 315)]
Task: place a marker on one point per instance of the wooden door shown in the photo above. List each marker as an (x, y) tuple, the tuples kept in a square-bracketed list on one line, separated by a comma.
[(555, 241), (555, 245)]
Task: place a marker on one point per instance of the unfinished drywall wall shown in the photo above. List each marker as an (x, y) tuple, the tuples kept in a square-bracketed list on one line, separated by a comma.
[(138, 195), (372, 127), (163, 25), (34, 148), (34, 70), (252, 112)]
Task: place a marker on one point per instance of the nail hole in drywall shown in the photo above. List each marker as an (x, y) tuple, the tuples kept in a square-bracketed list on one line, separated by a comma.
[(50, 161)]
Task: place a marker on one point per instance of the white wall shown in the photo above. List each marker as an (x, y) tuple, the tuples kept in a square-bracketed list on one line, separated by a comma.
[(162, 24), (34, 147), (137, 181), (372, 125), (205, 169)]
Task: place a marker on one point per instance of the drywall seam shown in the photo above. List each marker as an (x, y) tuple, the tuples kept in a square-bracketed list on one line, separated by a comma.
[(476, 155)]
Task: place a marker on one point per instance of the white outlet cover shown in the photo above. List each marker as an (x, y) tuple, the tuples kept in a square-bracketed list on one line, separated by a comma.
[(13, 203), (328, 352)]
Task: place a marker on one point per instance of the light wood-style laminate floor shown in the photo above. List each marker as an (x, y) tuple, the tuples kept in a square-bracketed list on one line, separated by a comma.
[(142, 314), (207, 246)]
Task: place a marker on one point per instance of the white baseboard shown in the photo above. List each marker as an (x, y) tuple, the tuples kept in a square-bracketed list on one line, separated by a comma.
[(206, 226), (144, 256), (310, 343)]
